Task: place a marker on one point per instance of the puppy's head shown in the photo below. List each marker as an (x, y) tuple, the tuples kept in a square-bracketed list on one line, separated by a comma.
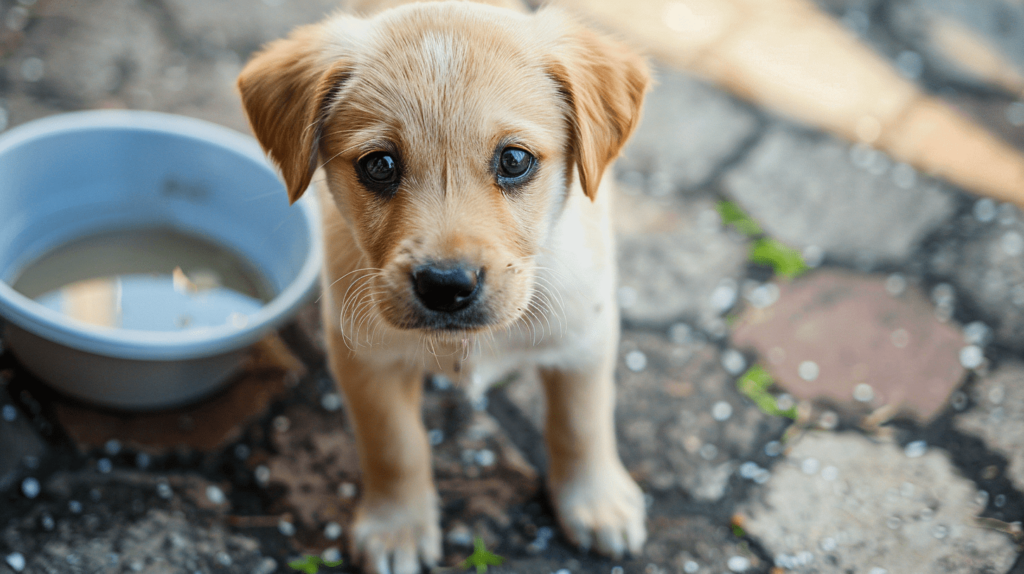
[(451, 134)]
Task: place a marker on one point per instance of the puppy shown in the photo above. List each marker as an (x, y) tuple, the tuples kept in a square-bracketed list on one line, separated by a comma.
[(463, 149)]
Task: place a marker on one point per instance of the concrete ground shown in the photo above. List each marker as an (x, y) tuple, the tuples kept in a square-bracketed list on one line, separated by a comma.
[(897, 353)]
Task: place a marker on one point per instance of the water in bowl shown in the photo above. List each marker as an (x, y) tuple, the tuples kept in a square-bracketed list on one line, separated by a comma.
[(151, 280)]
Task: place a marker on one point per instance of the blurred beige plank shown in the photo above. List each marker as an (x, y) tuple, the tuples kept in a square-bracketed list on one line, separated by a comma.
[(790, 57)]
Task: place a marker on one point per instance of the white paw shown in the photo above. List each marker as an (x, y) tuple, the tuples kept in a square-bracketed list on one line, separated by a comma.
[(396, 538), (602, 509)]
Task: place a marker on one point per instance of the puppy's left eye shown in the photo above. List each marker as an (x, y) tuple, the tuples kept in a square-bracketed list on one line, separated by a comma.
[(514, 164)]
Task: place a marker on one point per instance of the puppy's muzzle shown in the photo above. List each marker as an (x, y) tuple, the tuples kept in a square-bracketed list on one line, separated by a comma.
[(447, 287)]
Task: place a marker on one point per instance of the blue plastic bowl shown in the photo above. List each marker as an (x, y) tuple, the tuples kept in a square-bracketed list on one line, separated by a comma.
[(74, 175)]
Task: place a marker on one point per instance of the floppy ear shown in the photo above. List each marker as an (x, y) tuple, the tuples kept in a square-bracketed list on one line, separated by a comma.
[(603, 82), (287, 90)]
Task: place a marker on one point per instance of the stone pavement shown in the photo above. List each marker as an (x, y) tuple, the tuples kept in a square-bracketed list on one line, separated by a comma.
[(896, 355)]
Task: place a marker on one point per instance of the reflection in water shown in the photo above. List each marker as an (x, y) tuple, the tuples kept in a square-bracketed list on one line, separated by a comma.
[(152, 280)]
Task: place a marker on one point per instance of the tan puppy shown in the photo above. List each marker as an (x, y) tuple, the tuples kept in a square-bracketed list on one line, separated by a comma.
[(467, 232)]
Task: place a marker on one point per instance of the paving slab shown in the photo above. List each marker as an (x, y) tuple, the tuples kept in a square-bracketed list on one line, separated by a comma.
[(673, 255), (844, 338), (127, 521), (808, 189), (682, 424), (706, 128), (980, 43), (983, 260), (843, 502), (997, 416)]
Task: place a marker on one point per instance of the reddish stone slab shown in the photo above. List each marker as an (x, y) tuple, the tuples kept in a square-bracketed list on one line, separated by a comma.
[(856, 333)]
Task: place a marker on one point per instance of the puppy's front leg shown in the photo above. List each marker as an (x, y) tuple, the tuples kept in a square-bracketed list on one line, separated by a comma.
[(597, 502), (396, 523)]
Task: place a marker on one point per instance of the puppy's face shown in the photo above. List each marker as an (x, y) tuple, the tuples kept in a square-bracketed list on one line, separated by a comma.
[(448, 133)]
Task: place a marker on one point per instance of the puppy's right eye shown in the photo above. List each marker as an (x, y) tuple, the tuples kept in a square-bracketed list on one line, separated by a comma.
[(379, 171)]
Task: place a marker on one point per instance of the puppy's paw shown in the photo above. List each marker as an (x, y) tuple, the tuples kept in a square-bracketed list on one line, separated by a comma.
[(602, 509), (396, 538)]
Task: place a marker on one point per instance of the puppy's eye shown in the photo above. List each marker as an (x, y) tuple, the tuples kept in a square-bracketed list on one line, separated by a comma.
[(514, 164), (379, 167)]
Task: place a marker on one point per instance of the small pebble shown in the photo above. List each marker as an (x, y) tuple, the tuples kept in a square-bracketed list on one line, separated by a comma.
[(435, 437), (724, 296), (142, 460), (104, 465), (996, 395), (828, 544), (708, 451), (112, 447), (262, 475), (30, 487), (1012, 243), (981, 499), (680, 334), (266, 566), (163, 490), (984, 210), (332, 531), (346, 490), (863, 393), (75, 507), (691, 567), (971, 357), (958, 400), (286, 528), (215, 495), (940, 532), (636, 361), (785, 401), (47, 522), (896, 284), (331, 555), (828, 420), (242, 451), (331, 402), (813, 256), (733, 362), (32, 69), (485, 457), (627, 297), (738, 564), (900, 338), (749, 469), (893, 523), (762, 476), (773, 448), (764, 296), (440, 382), (721, 411), (915, 449), (223, 558), (10, 413), (617, 570), (999, 501), (943, 295), (16, 561), (977, 333), (810, 466), (808, 371), (281, 423), (830, 473)]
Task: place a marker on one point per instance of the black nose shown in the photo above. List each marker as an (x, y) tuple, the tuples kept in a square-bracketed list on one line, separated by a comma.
[(446, 287)]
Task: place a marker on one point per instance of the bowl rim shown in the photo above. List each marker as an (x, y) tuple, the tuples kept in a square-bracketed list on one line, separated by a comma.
[(34, 318)]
